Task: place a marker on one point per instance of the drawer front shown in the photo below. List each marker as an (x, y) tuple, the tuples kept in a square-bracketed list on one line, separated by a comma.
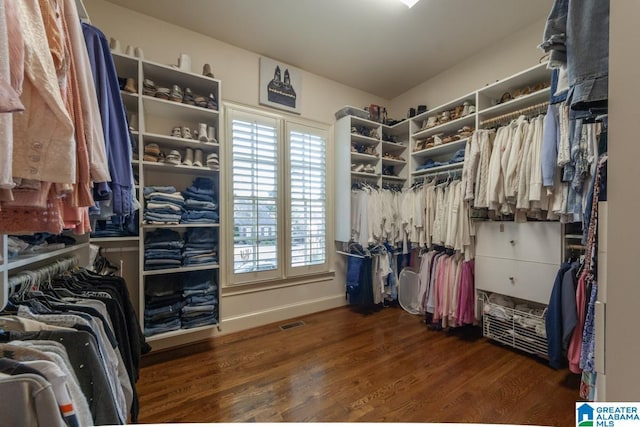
[(531, 241), (531, 281)]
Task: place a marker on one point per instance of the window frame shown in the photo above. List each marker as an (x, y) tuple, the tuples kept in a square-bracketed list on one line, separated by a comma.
[(284, 272)]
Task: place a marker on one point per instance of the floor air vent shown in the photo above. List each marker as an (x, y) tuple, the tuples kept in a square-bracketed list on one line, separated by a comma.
[(292, 325)]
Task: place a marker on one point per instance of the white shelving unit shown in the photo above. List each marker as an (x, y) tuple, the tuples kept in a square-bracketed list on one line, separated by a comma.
[(154, 120)]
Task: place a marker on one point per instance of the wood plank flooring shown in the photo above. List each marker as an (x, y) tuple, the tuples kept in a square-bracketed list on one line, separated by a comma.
[(345, 366)]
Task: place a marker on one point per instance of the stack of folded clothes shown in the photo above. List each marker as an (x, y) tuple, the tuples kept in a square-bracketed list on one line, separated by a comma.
[(200, 293), (162, 249), (200, 203), (164, 205), (201, 246), (163, 304)]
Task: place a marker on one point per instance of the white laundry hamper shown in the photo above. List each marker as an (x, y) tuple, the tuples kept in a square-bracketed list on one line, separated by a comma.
[(409, 290)]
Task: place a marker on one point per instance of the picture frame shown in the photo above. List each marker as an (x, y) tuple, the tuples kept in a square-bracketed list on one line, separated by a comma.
[(280, 86)]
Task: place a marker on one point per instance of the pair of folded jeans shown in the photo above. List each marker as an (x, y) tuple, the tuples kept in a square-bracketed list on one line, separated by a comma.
[(158, 328), (158, 189), (201, 299), (200, 205), (211, 289), (196, 322)]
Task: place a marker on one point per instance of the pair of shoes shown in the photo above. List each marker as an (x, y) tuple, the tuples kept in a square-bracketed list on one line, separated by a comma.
[(163, 93), (114, 45), (148, 87), (369, 169), (358, 168), (151, 152), (135, 51), (188, 97), (131, 86), (176, 94), (212, 103), (176, 132), (212, 161), (173, 158), (206, 134), (206, 71)]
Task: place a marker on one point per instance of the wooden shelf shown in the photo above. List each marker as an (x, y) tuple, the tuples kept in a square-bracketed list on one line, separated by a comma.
[(440, 150), (179, 142), (204, 225), (177, 111), (165, 167), (115, 239), (361, 157), (448, 127), (437, 169), (367, 140)]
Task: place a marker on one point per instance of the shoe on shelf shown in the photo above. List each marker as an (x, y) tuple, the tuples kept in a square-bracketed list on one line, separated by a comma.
[(202, 132), (163, 93), (129, 50), (131, 86), (197, 158), (138, 53), (162, 157), (176, 94), (212, 103), (369, 169), (188, 97), (206, 71), (148, 87), (359, 168), (188, 157), (186, 133), (114, 45), (211, 135), (212, 161), (173, 158), (176, 132)]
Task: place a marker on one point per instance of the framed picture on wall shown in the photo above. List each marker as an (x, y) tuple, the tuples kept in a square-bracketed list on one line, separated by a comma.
[(280, 85)]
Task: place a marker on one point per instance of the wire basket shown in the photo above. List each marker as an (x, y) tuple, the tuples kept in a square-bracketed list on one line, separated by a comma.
[(524, 330)]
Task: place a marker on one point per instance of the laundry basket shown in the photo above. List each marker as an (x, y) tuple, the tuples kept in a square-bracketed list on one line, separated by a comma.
[(408, 291), (502, 321)]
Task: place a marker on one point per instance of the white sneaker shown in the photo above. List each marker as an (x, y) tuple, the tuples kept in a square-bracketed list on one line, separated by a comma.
[(188, 157), (197, 158)]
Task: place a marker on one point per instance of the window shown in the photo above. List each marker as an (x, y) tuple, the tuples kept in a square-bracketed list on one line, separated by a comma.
[(307, 197), (278, 180)]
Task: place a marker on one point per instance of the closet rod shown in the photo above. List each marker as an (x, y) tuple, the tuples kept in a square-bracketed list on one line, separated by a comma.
[(448, 174), (38, 275), (536, 109), (348, 254)]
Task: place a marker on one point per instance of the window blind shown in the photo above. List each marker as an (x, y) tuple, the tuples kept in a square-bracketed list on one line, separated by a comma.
[(308, 200), (255, 193)]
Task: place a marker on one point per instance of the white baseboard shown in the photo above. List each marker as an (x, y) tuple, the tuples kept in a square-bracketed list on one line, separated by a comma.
[(277, 314)]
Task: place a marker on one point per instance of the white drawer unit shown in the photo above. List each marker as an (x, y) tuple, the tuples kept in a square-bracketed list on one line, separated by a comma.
[(531, 281), (518, 260), (531, 241)]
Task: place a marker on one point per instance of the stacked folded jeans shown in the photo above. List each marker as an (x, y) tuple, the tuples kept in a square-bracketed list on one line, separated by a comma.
[(164, 205), (201, 247), (201, 204), (163, 304), (162, 249), (200, 296)]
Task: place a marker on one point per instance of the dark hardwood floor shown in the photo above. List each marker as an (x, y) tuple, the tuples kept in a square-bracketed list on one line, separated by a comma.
[(344, 366)]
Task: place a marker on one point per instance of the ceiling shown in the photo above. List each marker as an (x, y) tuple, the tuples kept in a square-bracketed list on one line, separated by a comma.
[(379, 46)]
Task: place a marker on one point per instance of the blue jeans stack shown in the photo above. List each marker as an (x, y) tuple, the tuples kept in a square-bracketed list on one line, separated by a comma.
[(162, 249), (201, 204), (163, 304), (201, 246), (200, 296), (164, 205)]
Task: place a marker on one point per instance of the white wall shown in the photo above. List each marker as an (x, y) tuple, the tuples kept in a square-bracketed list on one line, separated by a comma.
[(509, 56)]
